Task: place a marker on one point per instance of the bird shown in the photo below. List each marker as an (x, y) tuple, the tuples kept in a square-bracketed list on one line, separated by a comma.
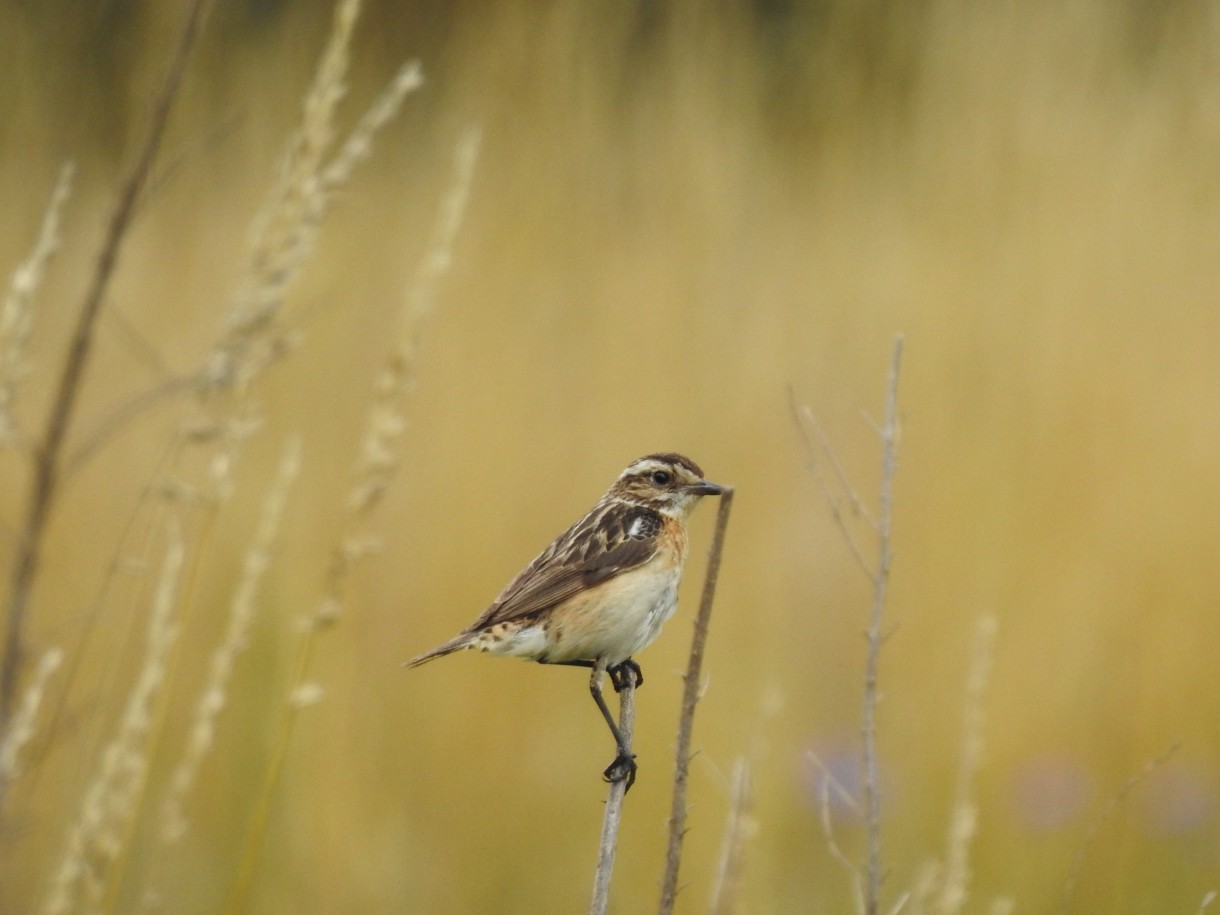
[(602, 590)]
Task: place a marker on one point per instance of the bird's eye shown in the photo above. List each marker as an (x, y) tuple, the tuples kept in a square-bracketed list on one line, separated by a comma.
[(661, 477)]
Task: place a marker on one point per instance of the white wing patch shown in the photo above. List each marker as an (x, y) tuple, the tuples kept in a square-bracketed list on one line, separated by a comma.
[(637, 526)]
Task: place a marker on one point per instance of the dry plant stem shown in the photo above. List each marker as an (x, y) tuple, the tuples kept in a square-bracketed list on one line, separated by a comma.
[(17, 312), (286, 231), (732, 857), (27, 714), (100, 836), (242, 611), (686, 719), (963, 822), (49, 453), (868, 883), (1103, 817), (802, 417), (375, 470), (828, 783), (875, 635), (614, 801)]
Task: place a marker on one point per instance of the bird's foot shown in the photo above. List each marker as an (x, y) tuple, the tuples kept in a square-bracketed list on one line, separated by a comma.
[(622, 769), (620, 673)]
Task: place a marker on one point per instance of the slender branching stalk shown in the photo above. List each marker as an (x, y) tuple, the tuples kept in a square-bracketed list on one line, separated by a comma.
[(827, 785), (49, 452), (876, 634), (614, 802), (837, 494), (686, 720)]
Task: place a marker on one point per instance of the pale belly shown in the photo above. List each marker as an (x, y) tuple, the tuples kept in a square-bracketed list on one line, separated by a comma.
[(613, 621)]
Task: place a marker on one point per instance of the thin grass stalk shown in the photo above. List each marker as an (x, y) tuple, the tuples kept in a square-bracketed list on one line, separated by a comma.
[(690, 699), (121, 564), (22, 728), (963, 822), (866, 881), (826, 786), (99, 836), (49, 455), (377, 467), (817, 446), (17, 312), (286, 230), (875, 635), (608, 846), (283, 238), (732, 855), (1108, 809), (213, 697)]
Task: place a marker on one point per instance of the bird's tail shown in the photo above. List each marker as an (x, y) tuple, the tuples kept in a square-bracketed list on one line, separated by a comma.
[(457, 643)]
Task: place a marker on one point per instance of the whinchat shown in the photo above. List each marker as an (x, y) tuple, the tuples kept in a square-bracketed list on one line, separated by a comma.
[(603, 589)]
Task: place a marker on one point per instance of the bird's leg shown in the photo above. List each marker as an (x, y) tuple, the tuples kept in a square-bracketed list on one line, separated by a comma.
[(624, 766), (620, 671)]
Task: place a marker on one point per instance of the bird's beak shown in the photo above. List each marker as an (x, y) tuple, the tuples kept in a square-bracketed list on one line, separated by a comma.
[(706, 488)]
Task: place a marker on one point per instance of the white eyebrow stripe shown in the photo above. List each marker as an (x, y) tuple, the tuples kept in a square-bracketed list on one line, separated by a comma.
[(642, 468)]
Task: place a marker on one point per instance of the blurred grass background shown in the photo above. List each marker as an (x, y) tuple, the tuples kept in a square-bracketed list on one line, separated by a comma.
[(679, 211)]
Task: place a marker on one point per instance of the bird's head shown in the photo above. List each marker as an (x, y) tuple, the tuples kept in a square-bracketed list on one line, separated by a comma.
[(668, 483)]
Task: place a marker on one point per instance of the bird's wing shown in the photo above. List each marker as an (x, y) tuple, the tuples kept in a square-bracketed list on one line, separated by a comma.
[(611, 539)]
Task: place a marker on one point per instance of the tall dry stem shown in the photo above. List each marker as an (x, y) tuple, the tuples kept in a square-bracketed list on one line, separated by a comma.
[(1107, 811), (691, 689), (49, 453), (242, 611), (963, 822), (98, 837), (732, 855), (876, 633), (284, 236), (837, 493), (943, 886), (286, 231)]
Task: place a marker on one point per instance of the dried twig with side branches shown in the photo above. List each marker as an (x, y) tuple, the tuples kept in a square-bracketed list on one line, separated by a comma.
[(878, 575)]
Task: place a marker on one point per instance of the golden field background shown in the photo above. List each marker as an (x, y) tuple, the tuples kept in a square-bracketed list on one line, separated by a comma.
[(678, 213)]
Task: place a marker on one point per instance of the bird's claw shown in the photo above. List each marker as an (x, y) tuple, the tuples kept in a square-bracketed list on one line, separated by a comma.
[(620, 672), (622, 769)]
